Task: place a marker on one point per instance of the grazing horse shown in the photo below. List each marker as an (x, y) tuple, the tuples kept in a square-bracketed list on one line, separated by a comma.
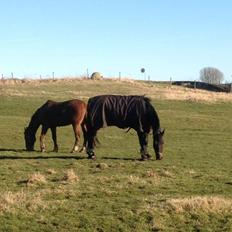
[(124, 112), (55, 114)]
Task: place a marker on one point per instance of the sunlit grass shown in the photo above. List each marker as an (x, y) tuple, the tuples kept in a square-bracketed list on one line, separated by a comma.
[(189, 190)]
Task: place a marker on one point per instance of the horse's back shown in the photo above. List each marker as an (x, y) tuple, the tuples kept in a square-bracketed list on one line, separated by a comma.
[(75, 104), (63, 113), (118, 110), (78, 107)]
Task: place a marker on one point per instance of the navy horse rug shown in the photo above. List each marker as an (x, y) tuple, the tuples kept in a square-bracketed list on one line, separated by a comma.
[(134, 112)]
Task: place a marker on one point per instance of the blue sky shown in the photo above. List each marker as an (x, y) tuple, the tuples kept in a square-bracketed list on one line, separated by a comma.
[(169, 38)]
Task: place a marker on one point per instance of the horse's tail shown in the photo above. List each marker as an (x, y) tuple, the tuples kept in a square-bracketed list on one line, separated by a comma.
[(84, 127)]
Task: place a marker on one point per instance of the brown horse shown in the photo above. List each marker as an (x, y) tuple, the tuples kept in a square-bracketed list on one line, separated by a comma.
[(55, 114)]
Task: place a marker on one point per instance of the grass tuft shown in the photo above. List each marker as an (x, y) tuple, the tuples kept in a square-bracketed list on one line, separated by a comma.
[(102, 166), (208, 204), (36, 179), (152, 175), (12, 201), (70, 176), (166, 173), (51, 171), (132, 179)]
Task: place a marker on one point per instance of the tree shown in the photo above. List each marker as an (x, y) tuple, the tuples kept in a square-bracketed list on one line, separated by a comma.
[(211, 75)]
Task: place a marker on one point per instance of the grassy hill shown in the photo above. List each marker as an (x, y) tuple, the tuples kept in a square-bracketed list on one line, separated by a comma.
[(189, 190)]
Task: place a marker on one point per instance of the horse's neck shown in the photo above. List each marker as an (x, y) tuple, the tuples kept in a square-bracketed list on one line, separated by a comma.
[(34, 124)]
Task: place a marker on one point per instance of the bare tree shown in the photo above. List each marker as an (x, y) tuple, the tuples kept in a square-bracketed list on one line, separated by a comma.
[(211, 75)]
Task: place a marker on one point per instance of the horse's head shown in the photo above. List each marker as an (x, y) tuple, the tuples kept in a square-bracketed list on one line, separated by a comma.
[(158, 143), (29, 139)]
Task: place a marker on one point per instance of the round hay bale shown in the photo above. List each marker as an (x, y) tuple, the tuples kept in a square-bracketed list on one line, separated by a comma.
[(96, 76)]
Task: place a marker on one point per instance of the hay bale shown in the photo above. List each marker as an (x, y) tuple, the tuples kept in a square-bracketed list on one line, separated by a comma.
[(96, 76)]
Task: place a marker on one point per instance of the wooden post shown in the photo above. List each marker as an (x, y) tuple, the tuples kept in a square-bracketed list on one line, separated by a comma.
[(87, 73), (119, 75), (195, 84), (53, 76)]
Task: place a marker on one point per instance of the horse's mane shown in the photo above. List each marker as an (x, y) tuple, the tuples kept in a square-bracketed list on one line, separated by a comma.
[(146, 99), (37, 114)]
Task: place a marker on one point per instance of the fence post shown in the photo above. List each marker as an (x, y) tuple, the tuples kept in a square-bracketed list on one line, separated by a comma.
[(87, 73), (2, 77), (12, 75), (53, 76), (119, 75), (195, 84)]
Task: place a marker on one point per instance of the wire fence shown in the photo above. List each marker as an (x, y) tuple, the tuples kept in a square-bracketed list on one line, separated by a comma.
[(190, 84), (41, 77)]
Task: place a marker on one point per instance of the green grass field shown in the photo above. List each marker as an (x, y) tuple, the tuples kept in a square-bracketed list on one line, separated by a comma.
[(189, 190)]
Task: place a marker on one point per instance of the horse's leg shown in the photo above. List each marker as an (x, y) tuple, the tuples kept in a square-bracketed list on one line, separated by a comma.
[(54, 138), (83, 148), (91, 134), (143, 140), (76, 129), (42, 135)]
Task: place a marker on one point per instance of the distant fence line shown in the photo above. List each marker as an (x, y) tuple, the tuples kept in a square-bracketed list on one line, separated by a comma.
[(52, 76), (190, 84), (206, 86), (47, 76)]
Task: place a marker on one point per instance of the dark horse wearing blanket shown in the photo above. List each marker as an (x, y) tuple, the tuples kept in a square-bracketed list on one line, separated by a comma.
[(124, 112), (55, 114)]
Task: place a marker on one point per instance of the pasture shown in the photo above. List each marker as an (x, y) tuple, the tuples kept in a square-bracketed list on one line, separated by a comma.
[(189, 190)]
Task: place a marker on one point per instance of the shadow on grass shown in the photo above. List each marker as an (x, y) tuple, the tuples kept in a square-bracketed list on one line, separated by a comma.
[(127, 159), (44, 156), (11, 149), (40, 157)]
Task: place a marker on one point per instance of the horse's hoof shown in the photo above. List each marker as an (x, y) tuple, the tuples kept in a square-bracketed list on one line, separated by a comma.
[(159, 158), (92, 157), (75, 149), (148, 156), (82, 150), (145, 157)]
